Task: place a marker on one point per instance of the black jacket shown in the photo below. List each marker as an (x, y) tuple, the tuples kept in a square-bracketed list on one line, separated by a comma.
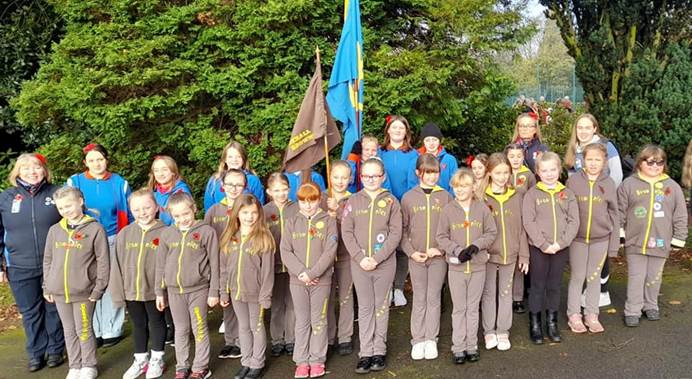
[(23, 230)]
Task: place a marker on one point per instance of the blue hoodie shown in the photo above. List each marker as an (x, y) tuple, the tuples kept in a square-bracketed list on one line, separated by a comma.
[(162, 199), (295, 180), (400, 167), (448, 166), (105, 199), (214, 191)]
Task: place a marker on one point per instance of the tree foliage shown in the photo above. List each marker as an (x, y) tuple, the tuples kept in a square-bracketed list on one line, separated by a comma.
[(183, 77), (633, 59)]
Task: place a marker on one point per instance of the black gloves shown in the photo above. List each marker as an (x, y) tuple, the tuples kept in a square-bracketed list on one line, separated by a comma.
[(468, 253)]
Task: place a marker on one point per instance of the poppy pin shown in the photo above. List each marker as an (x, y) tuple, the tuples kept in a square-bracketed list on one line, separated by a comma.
[(466, 224), (274, 217), (312, 232), (521, 180), (155, 242), (562, 195), (18, 197), (196, 236), (667, 191), (78, 237)]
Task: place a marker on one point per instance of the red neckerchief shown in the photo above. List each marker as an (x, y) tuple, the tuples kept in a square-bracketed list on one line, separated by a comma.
[(160, 188), (106, 176), (421, 150)]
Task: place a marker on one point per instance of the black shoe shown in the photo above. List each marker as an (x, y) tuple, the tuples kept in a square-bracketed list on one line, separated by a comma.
[(253, 373), (535, 328), (229, 351), (330, 349), (473, 356), (552, 327), (277, 350), (99, 342), (289, 348), (36, 364), (377, 363), (652, 314), (459, 358), (345, 348), (54, 360), (363, 366), (170, 335), (242, 372), (110, 342), (518, 307)]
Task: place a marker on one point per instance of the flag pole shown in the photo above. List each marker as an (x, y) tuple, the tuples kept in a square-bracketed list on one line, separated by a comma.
[(326, 140)]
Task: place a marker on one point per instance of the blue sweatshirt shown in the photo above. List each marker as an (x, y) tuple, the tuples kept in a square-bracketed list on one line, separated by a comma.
[(295, 180), (24, 223), (162, 199), (105, 199), (214, 192), (400, 167), (448, 166)]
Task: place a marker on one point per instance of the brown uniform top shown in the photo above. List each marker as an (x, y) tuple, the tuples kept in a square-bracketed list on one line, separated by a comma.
[(550, 215), (652, 214), (188, 261), (133, 268), (420, 215), (76, 261), (511, 242), (342, 255), (459, 229), (276, 219), (523, 179), (310, 246), (217, 216), (599, 219), (371, 227), (247, 275)]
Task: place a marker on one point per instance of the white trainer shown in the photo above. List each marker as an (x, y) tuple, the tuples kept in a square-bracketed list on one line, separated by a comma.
[(418, 351), (399, 298), (88, 373), (156, 367), (604, 299), (490, 341), (222, 328), (430, 349), (503, 343), (73, 374), (138, 368)]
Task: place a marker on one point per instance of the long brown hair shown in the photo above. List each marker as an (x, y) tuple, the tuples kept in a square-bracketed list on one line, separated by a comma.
[(515, 136), (571, 154), (222, 162), (170, 163), (494, 160), (407, 145), (260, 239)]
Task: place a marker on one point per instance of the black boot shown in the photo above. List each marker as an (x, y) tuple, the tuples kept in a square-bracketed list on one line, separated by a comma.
[(553, 330), (535, 328)]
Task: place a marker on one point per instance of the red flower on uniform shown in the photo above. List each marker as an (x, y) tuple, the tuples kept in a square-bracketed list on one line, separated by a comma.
[(196, 236), (520, 181), (18, 197), (312, 232), (155, 242), (562, 195), (667, 191), (274, 217), (466, 224), (389, 200), (78, 237)]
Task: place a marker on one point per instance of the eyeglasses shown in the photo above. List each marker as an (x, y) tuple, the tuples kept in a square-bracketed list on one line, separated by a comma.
[(232, 185), (653, 163), (527, 126), (371, 177)]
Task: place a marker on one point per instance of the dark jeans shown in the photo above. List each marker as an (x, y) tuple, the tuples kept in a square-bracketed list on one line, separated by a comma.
[(147, 321), (40, 318), (546, 279)]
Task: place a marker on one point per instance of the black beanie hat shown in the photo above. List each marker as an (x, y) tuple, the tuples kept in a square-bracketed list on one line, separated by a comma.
[(430, 130)]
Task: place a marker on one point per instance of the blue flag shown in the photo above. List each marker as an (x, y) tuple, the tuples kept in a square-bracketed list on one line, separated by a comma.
[(345, 93)]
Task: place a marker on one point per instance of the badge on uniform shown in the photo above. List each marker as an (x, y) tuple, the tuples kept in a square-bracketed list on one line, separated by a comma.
[(660, 242), (657, 206), (659, 214), (380, 238), (659, 198), (639, 212), (378, 247), (652, 242), (48, 201), (17, 203)]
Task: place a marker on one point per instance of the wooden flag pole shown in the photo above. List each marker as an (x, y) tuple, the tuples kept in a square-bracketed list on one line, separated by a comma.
[(326, 142)]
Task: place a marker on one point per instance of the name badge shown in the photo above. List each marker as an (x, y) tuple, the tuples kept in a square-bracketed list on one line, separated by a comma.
[(454, 260), (659, 214), (17, 203)]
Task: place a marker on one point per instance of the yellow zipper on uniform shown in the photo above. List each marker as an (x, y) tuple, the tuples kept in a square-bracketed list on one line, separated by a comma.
[(281, 223), (139, 262), (504, 234), (651, 218), (65, 266), (240, 266), (307, 253), (427, 222), (552, 205), (588, 219), (468, 238), (372, 207), (180, 261)]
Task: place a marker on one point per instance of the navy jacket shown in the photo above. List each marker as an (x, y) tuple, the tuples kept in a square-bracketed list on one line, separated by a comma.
[(24, 224)]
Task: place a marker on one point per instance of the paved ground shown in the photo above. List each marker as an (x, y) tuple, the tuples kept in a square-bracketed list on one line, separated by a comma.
[(654, 350)]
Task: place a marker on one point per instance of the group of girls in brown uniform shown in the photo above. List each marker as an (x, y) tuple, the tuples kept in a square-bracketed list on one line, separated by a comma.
[(481, 232)]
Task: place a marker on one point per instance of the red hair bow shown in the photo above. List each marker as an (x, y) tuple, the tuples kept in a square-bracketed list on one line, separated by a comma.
[(88, 148), (388, 118), (533, 115), (469, 160), (41, 158)]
